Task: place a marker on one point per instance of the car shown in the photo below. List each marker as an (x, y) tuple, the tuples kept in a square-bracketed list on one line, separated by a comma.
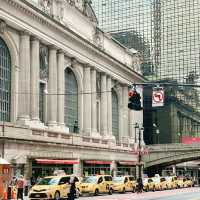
[(51, 187), (124, 184), (180, 182), (149, 184), (172, 182), (187, 182), (163, 183), (96, 184)]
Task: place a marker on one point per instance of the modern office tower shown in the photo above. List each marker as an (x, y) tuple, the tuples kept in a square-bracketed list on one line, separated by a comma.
[(129, 22), (167, 34)]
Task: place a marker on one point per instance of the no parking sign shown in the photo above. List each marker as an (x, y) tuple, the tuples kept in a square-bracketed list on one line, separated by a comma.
[(157, 97)]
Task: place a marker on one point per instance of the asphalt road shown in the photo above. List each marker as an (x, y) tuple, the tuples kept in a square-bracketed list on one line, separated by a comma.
[(178, 194)]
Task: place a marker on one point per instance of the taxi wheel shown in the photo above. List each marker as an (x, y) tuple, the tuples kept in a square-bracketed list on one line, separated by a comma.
[(96, 193), (57, 196)]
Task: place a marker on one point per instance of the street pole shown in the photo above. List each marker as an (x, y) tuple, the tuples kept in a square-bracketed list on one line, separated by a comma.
[(140, 156), (136, 126)]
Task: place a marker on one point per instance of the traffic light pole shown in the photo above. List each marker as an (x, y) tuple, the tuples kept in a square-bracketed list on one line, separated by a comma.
[(140, 156)]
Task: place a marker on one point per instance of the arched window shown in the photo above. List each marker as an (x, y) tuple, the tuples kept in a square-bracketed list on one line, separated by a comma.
[(115, 115), (71, 101), (5, 82)]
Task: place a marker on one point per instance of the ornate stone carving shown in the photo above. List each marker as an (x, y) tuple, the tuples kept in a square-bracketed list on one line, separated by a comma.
[(98, 38), (85, 7), (46, 5), (2, 26), (98, 85), (44, 63)]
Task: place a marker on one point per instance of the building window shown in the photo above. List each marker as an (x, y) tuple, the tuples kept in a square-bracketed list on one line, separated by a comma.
[(115, 115), (41, 102), (5, 82), (71, 101)]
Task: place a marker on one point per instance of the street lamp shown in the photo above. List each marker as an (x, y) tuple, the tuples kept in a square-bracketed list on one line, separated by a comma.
[(157, 134)]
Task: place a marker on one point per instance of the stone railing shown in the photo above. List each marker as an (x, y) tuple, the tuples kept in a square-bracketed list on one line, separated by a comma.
[(46, 135)]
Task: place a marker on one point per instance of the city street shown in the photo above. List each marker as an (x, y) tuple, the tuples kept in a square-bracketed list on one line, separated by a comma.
[(179, 194)]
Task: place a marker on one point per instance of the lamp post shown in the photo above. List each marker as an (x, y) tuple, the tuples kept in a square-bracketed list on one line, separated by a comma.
[(157, 134)]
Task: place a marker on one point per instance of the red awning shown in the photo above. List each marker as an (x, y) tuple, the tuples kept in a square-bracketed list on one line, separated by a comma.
[(46, 161), (128, 162), (98, 162)]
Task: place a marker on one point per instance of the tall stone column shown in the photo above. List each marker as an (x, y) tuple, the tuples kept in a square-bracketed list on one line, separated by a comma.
[(104, 113), (87, 101), (52, 87), (24, 79), (61, 89), (94, 101), (125, 114), (109, 105), (35, 74)]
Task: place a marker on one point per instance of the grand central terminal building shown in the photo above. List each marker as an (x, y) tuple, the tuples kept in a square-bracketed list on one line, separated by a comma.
[(64, 91)]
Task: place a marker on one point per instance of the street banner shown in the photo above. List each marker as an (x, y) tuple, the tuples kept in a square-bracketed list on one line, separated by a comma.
[(157, 97)]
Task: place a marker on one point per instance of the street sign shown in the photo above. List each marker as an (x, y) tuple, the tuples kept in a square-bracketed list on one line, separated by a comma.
[(157, 97)]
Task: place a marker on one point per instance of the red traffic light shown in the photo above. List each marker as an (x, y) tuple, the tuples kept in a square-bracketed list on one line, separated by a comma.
[(131, 93)]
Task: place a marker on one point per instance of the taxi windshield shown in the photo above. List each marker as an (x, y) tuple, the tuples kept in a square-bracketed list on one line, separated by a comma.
[(89, 179), (48, 181), (118, 179)]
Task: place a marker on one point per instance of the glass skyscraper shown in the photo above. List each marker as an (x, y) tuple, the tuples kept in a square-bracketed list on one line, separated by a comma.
[(165, 32)]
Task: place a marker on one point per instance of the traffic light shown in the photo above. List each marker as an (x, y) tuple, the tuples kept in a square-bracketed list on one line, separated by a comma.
[(134, 100)]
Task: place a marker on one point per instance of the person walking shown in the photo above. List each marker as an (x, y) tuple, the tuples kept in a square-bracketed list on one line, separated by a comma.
[(20, 187), (72, 191), (139, 185)]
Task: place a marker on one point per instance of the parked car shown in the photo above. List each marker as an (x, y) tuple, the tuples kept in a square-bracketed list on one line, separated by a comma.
[(124, 184), (172, 182), (51, 187), (96, 184), (187, 182), (149, 184)]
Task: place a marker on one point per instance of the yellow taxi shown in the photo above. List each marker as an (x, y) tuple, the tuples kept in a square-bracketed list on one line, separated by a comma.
[(149, 184), (157, 183), (187, 182), (172, 182), (124, 184), (180, 182), (51, 187), (163, 183), (96, 184)]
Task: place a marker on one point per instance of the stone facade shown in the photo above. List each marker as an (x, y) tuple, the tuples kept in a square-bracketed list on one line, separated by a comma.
[(70, 34)]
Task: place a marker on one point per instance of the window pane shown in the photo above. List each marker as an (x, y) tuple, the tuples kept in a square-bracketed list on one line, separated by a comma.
[(5, 82), (71, 101), (115, 115)]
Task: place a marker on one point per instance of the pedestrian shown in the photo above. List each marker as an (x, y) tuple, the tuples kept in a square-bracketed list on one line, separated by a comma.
[(20, 187), (139, 185), (72, 191)]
